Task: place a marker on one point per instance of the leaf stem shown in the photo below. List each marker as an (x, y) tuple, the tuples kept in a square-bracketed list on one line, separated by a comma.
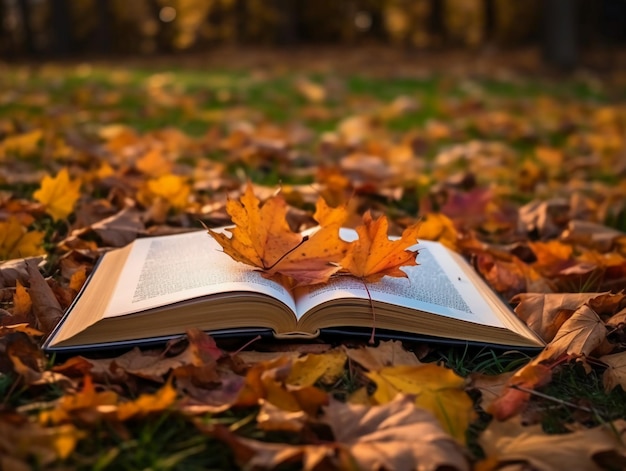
[(369, 295), (304, 239)]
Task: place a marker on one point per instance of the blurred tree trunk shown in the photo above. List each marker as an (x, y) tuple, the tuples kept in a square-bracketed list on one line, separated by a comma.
[(436, 29), (29, 43), (103, 28), (560, 33), (241, 14), (62, 27), (490, 20), (289, 21)]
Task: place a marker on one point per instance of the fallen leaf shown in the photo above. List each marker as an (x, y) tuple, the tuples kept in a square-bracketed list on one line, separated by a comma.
[(22, 303), (262, 238), (373, 255), (27, 440), (58, 194), (17, 242), (515, 395), (83, 406), (387, 353), (580, 335), (147, 403), (46, 307), (437, 389), (491, 387), (396, 435), (590, 449), (546, 312), (325, 367), (438, 226), (615, 374)]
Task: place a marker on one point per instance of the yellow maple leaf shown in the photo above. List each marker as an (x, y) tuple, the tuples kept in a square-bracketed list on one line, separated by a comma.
[(148, 403), (438, 226), (435, 388), (17, 242), (21, 144), (58, 194), (174, 189)]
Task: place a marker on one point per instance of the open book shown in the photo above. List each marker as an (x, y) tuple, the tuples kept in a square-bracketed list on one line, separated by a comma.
[(158, 287)]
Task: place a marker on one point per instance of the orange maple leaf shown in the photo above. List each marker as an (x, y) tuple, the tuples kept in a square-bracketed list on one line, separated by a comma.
[(262, 238), (373, 255)]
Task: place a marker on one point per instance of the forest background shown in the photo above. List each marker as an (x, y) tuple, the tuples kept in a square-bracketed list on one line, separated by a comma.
[(500, 125)]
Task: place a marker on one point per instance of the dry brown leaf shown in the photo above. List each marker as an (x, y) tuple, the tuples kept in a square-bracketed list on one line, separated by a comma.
[(580, 335), (546, 312), (491, 387), (387, 353), (121, 228), (46, 307), (615, 374), (396, 435), (23, 440), (273, 418), (510, 442)]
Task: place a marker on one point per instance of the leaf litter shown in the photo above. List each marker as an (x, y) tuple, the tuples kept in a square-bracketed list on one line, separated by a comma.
[(530, 189)]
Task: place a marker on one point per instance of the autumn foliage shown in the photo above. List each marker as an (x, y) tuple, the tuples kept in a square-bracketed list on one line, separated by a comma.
[(528, 187)]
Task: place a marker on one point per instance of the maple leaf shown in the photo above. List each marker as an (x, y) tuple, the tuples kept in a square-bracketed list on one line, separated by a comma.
[(615, 374), (373, 255), (58, 194), (435, 388), (546, 312), (17, 242), (262, 238), (580, 335)]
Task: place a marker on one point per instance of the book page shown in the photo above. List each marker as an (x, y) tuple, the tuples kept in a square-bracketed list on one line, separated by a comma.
[(436, 285), (169, 269)]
